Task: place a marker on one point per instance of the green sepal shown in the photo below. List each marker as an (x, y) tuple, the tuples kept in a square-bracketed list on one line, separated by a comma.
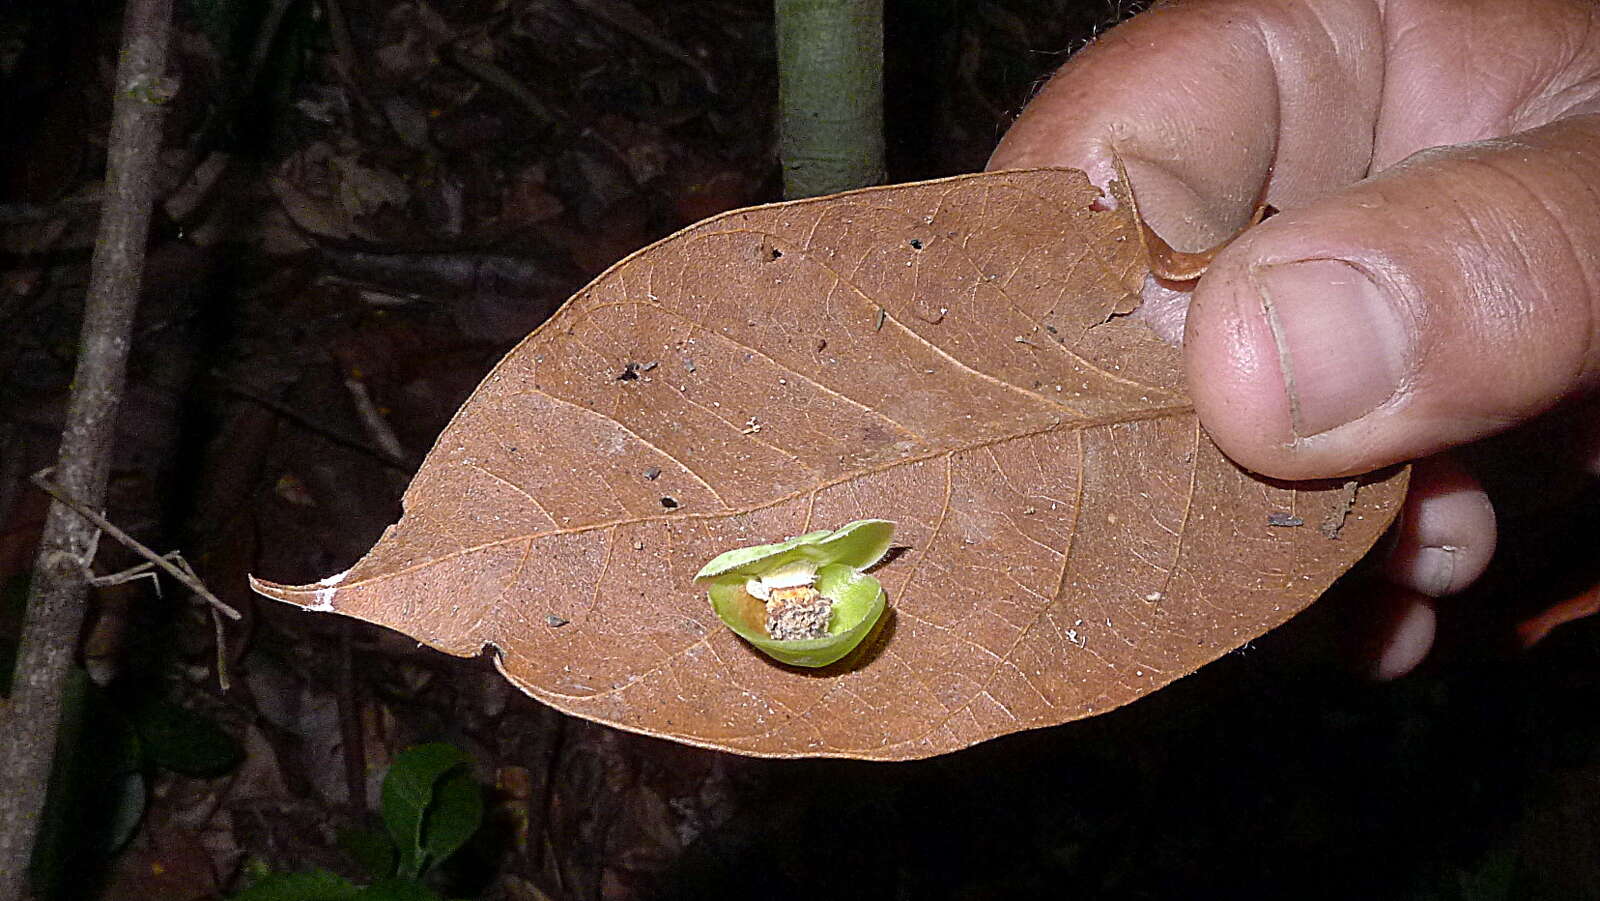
[(857, 545), (858, 603)]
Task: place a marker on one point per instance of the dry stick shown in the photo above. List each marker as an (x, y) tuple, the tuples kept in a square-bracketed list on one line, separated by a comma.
[(182, 574), (337, 436), (377, 427), (344, 49), (266, 35), (56, 604), (488, 72), (346, 61), (630, 21)]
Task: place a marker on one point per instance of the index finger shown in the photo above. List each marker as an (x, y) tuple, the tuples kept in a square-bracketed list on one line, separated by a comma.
[(1209, 103)]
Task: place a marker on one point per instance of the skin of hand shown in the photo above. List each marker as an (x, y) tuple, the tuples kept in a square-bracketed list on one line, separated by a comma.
[(1433, 275)]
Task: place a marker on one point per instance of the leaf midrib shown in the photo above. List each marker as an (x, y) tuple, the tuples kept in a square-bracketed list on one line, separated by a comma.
[(1166, 412)]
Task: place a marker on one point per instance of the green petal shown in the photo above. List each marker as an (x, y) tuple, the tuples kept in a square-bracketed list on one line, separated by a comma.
[(857, 545), (858, 604), (852, 593), (744, 558)]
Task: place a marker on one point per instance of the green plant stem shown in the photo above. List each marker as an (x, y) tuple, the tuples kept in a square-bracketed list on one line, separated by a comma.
[(830, 95)]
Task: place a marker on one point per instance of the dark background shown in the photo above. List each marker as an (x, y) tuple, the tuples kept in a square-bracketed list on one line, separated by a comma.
[(388, 217)]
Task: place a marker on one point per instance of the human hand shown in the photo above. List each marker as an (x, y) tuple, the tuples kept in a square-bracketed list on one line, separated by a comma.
[(1433, 277)]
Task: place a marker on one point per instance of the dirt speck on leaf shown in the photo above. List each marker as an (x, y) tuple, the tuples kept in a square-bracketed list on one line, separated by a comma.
[(1344, 501)]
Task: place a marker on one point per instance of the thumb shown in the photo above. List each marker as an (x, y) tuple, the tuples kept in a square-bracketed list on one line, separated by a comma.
[(1450, 297)]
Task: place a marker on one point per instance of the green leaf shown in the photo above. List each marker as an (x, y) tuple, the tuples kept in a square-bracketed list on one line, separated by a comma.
[(408, 795), (745, 559), (316, 885), (455, 815), (397, 890), (1492, 879), (183, 741), (858, 604), (858, 545), (370, 849), (124, 798)]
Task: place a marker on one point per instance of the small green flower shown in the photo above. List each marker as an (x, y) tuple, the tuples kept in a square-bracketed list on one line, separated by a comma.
[(804, 601)]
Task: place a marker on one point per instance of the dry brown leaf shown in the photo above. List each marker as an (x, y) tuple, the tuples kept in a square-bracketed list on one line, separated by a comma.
[(947, 355), (1165, 261)]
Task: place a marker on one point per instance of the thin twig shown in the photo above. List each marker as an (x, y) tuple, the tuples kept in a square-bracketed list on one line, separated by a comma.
[(627, 19), (266, 36), (344, 49), (58, 599), (378, 428), (189, 580), (491, 74), (346, 60), (336, 436), (223, 681)]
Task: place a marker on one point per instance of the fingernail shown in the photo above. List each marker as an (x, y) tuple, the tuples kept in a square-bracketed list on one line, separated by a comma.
[(1406, 641), (1435, 569), (1340, 341)]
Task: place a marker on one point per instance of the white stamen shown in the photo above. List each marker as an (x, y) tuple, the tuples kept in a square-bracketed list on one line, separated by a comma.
[(789, 575)]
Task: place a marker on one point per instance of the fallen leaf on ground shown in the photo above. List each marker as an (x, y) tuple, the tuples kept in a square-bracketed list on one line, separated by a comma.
[(948, 355)]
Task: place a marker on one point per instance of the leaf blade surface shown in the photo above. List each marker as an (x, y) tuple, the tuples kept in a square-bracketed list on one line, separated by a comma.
[(948, 355)]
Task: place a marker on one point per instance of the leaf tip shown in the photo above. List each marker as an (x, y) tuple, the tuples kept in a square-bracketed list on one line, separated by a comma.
[(316, 596)]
